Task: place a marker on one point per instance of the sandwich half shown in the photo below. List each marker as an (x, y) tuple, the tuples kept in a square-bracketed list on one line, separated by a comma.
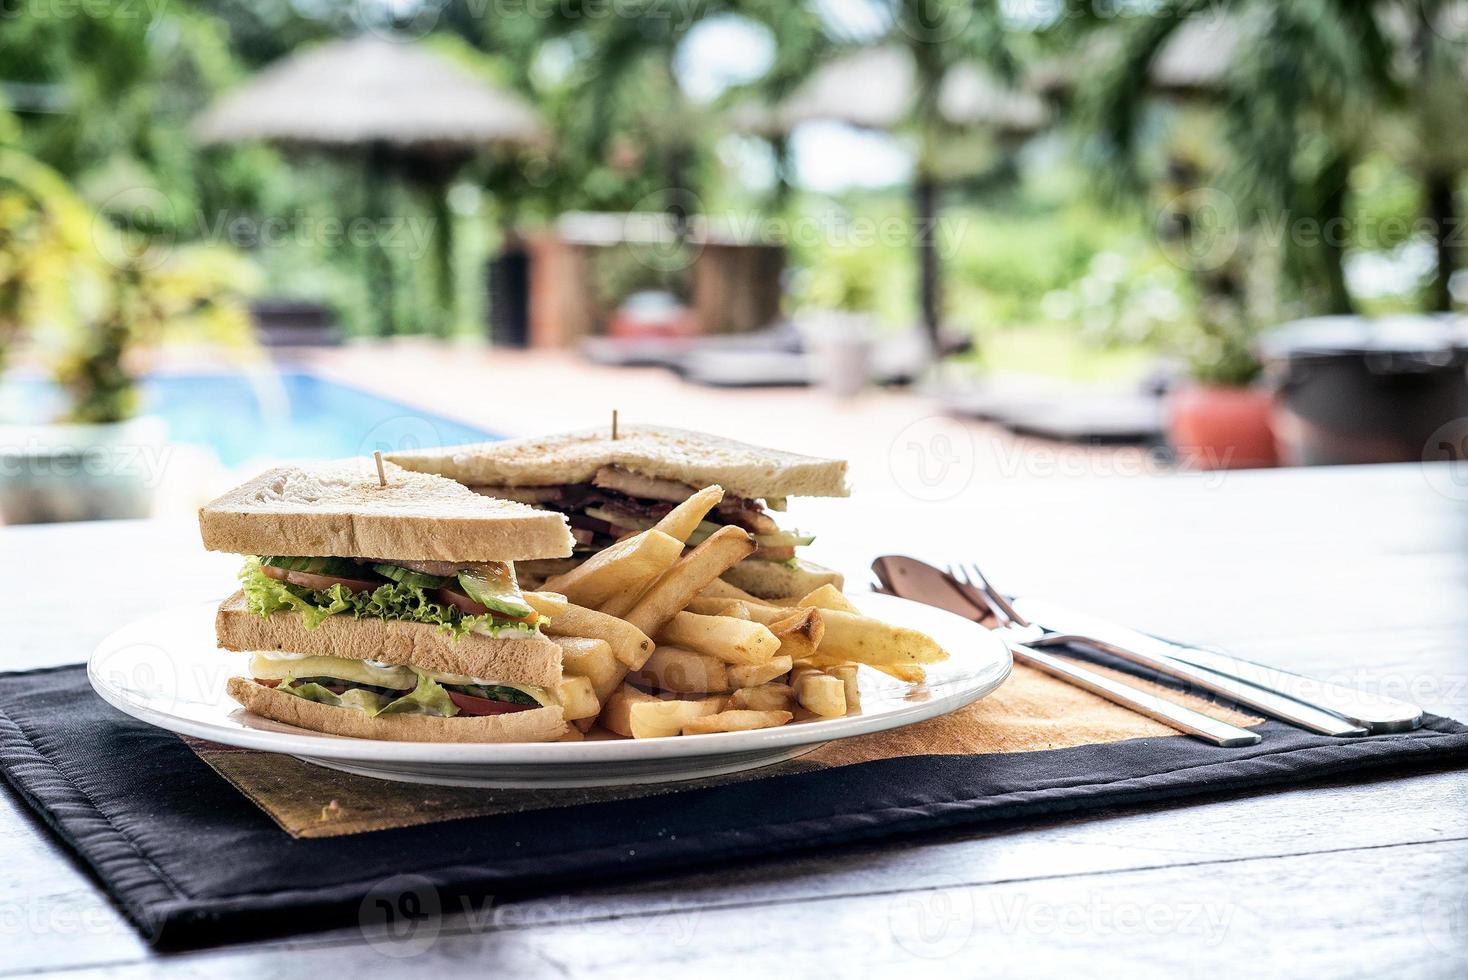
[(609, 488), (387, 611)]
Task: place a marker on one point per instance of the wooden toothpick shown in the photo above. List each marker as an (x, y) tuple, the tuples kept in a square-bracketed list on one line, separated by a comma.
[(381, 473), (614, 423)]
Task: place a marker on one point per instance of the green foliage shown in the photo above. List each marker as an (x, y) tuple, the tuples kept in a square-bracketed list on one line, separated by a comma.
[(88, 295)]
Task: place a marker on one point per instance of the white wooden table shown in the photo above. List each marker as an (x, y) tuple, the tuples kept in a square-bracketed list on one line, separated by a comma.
[(1354, 574)]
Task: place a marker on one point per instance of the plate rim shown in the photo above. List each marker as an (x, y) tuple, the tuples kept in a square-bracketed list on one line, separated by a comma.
[(992, 673)]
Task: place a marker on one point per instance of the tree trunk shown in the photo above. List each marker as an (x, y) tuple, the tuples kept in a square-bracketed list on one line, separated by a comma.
[(1442, 212), (930, 291), (1333, 245)]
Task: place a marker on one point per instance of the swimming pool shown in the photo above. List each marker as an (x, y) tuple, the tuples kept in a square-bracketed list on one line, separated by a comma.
[(286, 414)]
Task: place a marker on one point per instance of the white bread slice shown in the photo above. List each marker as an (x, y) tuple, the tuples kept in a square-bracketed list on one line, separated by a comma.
[(775, 580), (530, 659), (695, 458), (340, 510), (534, 725)]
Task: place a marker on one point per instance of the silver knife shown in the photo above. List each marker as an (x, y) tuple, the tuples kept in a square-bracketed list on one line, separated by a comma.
[(1373, 712)]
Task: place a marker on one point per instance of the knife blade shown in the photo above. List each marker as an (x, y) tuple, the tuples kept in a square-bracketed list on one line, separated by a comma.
[(1373, 712), (921, 582)]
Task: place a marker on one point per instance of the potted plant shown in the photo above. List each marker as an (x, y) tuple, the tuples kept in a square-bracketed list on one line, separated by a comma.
[(1221, 417), (88, 301)]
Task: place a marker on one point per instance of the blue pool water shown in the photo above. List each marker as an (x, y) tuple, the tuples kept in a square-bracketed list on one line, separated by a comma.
[(277, 414)]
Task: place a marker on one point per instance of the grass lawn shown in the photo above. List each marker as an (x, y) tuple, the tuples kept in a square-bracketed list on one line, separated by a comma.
[(1057, 352)]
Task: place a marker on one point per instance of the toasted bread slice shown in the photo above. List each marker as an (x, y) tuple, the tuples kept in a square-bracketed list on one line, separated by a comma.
[(535, 725), (529, 659), (341, 510), (694, 458)]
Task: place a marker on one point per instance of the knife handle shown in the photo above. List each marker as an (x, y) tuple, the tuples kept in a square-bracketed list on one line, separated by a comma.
[(1185, 720)]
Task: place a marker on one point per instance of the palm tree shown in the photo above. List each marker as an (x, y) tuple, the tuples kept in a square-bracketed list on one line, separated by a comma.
[(1311, 88)]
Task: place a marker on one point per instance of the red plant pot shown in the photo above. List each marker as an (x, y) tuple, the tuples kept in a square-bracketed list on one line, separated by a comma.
[(1213, 428)]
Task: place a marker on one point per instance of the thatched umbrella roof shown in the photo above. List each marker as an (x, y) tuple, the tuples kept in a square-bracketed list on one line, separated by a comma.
[(874, 88), (369, 90)]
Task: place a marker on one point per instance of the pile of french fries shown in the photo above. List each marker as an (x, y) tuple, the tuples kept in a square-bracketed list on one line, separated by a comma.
[(654, 643)]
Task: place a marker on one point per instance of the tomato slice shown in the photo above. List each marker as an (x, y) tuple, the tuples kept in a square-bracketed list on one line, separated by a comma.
[(460, 601), (319, 583), (470, 705), (267, 681)]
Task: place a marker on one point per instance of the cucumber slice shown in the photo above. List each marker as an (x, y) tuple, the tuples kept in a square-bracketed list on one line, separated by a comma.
[(338, 567), (406, 576), (493, 586)]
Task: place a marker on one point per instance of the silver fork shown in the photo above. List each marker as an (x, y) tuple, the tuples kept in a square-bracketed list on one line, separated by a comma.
[(1261, 699), (1183, 719)]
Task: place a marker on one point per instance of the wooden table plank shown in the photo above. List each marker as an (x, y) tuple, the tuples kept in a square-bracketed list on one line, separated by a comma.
[(1395, 910)]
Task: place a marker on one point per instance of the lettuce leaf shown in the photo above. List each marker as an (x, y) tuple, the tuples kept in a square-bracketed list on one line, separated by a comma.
[(355, 697), (428, 698), (392, 600)]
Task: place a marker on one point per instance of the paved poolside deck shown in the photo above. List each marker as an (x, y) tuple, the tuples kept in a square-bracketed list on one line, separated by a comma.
[(897, 441)]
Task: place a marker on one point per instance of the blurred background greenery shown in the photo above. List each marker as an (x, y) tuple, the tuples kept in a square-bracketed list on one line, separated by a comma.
[(1319, 138)]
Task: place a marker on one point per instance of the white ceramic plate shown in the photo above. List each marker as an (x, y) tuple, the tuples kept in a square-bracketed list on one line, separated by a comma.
[(167, 671)]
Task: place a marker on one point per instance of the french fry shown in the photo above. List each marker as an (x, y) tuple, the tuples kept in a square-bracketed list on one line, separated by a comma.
[(852, 637), (736, 721), (828, 597), (616, 712), (573, 734), (669, 594), (765, 697), (753, 675), (734, 641), (821, 694), (847, 673), (578, 698), (719, 589), (911, 673), (800, 634), (627, 566), (549, 604), (681, 521), (715, 606), (592, 659), (759, 611), (681, 671), (659, 719), (629, 644)]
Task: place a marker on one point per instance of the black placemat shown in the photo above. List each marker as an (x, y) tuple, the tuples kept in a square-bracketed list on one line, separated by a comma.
[(194, 863)]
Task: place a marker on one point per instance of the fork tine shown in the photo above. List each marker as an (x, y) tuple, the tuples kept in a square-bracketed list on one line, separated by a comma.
[(997, 597), (962, 575)]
